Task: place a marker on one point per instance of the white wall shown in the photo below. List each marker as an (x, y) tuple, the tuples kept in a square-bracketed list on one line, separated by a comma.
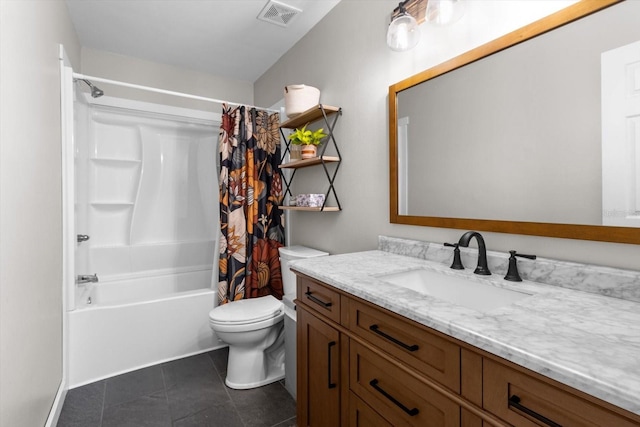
[(30, 207), (345, 55), (141, 72)]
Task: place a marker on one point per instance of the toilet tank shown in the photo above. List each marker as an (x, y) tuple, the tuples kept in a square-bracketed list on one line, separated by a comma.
[(289, 254)]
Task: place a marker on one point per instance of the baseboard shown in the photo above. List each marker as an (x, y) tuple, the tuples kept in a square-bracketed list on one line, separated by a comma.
[(56, 408)]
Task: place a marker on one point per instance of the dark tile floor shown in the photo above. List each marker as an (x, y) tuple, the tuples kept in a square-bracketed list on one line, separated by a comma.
[(188, 392)]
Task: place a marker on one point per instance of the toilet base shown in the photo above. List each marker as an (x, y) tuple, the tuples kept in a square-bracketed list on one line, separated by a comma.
[(248, 368), (271, 378)]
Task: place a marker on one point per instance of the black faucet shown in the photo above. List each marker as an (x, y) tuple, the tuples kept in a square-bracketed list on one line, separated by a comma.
[(512, 273), (482, 267), (457, 262)]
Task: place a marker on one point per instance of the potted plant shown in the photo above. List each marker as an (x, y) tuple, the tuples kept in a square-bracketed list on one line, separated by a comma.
[(309, 140)]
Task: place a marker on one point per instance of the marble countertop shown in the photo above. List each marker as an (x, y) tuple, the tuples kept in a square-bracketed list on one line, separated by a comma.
[(584, 340)]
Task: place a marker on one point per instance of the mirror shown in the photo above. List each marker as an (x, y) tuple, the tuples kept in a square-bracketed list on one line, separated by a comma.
[(508, 137)]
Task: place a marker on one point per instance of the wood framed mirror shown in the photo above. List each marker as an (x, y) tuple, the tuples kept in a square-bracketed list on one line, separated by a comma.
[(456, 142)]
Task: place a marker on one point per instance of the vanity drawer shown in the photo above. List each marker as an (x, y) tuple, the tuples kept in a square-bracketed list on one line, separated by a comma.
[(413, 344), (362, 415), (506, 388), (397, 396), (320, 298)]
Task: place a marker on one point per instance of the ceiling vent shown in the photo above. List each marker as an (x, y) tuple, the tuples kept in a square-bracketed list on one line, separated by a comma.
[(278, 13)]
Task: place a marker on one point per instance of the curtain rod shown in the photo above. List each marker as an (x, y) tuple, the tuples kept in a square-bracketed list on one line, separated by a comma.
[(163, 91)]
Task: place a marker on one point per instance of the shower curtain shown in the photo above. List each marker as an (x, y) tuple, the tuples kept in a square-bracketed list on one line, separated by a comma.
[(251, 222)]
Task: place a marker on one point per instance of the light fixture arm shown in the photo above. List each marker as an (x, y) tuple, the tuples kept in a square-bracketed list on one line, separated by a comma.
[(400, 9)]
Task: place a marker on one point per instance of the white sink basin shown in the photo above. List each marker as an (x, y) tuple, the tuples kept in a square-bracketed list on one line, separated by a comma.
[(455, 289)]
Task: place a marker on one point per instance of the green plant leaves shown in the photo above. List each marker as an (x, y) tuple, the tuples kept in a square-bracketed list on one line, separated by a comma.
[(306, 137)]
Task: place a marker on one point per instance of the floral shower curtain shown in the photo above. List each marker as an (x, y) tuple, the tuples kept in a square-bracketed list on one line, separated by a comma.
[(251, 222)]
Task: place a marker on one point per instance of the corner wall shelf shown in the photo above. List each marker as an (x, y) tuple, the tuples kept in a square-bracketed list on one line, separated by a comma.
[(314, 114)]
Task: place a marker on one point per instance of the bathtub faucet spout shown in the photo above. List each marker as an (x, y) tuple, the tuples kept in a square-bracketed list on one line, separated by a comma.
[(86, 278)]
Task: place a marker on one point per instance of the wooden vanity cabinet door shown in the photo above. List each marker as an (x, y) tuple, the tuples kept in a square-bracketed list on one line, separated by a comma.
[(556, 405), (397, 396), (413, 344), (318, 372)]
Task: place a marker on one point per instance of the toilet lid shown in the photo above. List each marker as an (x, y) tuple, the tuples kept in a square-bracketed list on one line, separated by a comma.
[(247, 310), (295, 252)]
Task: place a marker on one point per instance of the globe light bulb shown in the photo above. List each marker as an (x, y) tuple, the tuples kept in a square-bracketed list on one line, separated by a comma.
[(403, 32)]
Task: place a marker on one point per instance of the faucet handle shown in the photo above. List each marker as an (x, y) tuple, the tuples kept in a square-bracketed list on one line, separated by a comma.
[(512, 273), (457, 262)]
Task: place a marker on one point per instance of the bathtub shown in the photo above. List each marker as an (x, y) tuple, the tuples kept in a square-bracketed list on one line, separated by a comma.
[(123, 324)]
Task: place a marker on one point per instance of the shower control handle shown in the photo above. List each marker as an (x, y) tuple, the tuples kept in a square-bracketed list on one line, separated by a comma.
[(82, 238), (87, 278)]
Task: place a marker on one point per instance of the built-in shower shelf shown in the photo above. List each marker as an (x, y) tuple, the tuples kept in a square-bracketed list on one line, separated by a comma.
[(123, 162)]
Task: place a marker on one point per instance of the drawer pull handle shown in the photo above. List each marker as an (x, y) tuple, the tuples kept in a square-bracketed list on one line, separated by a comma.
[(515, 402), (317, 300), (376, 329), (412, 412), (329, 383)]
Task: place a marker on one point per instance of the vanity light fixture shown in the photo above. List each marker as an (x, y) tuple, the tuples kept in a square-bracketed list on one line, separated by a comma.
[(403, 32), (443, 12)]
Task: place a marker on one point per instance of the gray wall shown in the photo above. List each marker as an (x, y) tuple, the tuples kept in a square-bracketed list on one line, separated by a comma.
[(30, 207), (141, 72), (353, 67)]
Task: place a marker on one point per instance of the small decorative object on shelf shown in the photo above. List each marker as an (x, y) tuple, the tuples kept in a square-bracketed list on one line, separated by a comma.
[(313, 138), (309, 151), (310, 200), (299, 98), (295, 152), (309, 140)]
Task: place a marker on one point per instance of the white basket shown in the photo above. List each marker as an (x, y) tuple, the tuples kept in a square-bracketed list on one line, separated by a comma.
[(299, 98)]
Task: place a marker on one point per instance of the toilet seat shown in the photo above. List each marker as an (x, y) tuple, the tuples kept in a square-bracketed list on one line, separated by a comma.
[(251, 311)]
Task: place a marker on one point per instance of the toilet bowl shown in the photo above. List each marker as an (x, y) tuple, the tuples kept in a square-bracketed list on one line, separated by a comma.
[(253, 329)]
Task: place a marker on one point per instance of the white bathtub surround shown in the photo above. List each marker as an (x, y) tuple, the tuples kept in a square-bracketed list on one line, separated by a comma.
[(146, 187), (612, 282), (146, 195), (582, 339)]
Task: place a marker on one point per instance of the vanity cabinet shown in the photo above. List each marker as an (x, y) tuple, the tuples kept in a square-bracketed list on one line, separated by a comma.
[(320, 356), (362, 365), (398, 397), (362, 415), (522, 400), (428, 353), (330, 163)]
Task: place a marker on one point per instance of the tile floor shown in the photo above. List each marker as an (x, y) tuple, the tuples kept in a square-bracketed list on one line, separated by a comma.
[(188, 392)]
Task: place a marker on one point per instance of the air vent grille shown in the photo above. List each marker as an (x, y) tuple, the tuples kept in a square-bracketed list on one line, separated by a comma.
[(278, 13)]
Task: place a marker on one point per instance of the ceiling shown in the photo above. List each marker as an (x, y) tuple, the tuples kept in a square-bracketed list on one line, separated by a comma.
[(220, 37)]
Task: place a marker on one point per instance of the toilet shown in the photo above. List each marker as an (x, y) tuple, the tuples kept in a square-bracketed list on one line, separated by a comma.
[(254, 330)]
